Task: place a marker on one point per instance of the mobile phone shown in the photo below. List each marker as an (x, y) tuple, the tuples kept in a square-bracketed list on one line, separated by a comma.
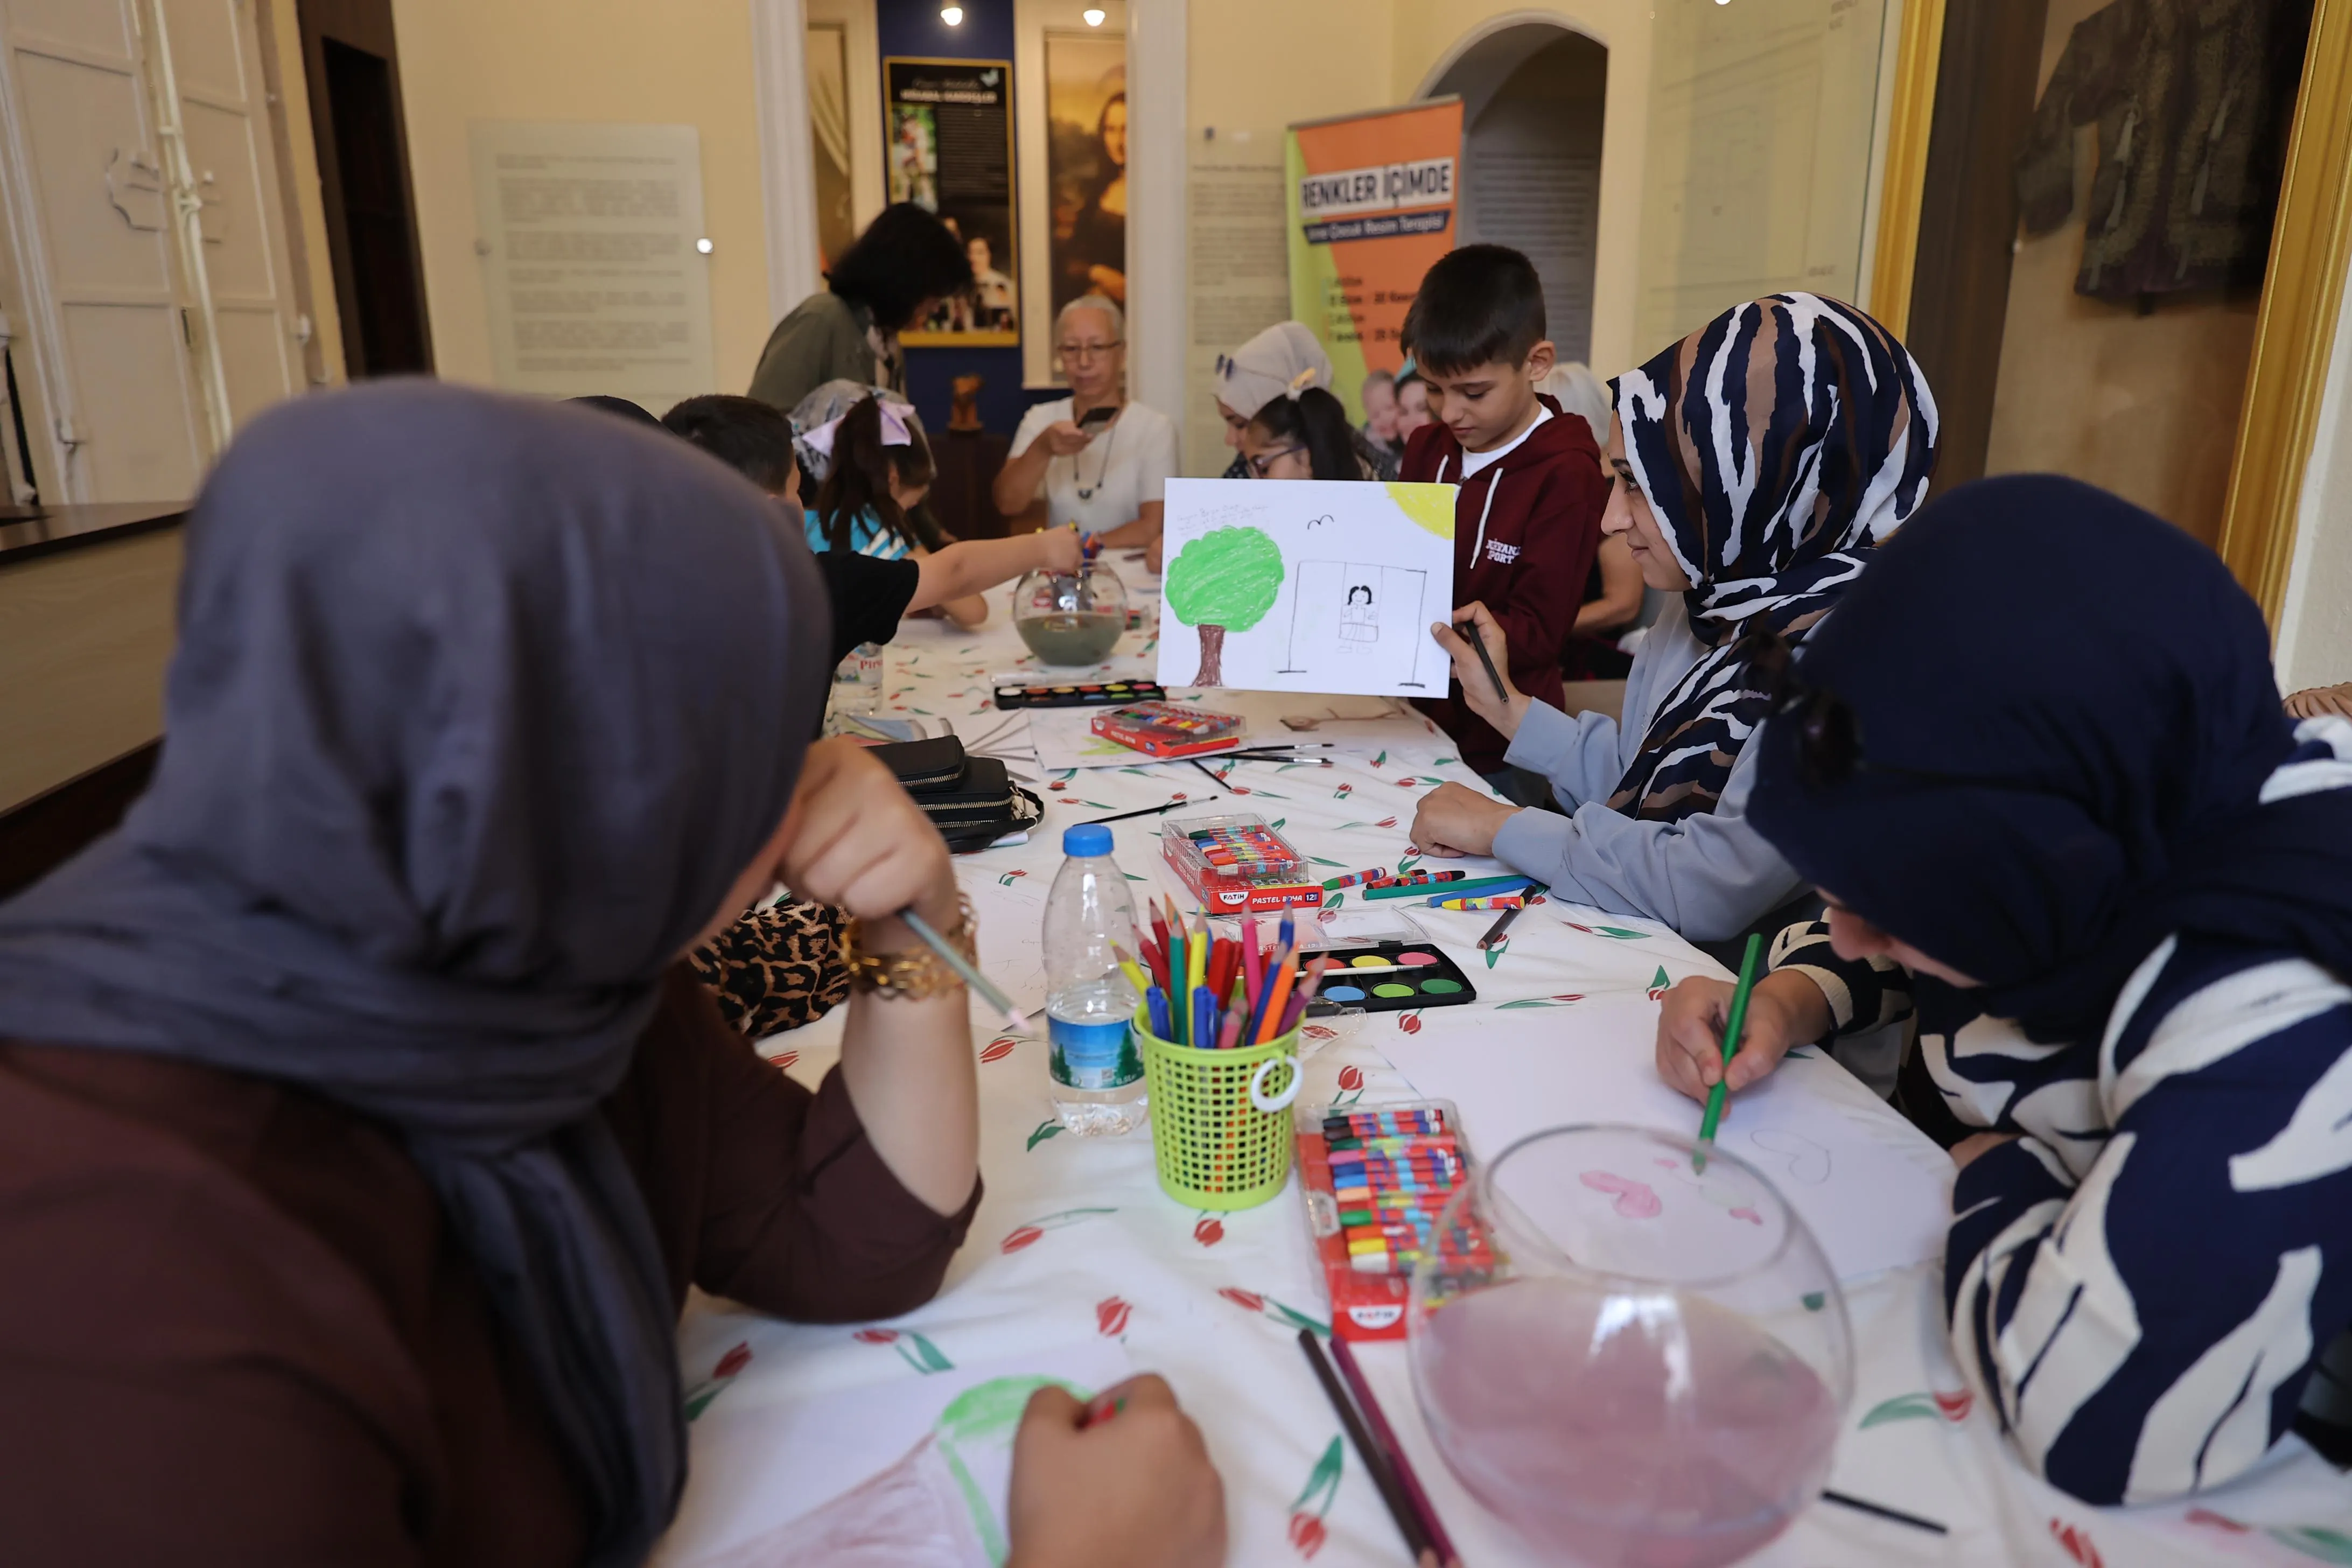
[(1102, 414)]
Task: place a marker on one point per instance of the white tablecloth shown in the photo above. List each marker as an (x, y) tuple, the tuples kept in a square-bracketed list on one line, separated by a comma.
[(1075, 1239)]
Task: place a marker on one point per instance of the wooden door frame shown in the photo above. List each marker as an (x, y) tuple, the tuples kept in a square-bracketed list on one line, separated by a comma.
[(2303, 287)]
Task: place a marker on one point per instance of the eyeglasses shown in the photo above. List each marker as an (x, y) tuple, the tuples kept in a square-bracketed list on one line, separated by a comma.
[(1083, 352), (1265, 460)]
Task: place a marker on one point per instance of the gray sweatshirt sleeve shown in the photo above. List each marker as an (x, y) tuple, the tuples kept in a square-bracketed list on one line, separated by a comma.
[(1579, 755), (1707, 877)]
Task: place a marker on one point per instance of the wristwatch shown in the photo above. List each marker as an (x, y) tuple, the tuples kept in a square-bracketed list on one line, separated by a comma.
[(915, 972)]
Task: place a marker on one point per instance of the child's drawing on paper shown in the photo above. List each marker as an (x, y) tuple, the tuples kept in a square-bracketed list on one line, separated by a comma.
[(1224, 581), (911, 1472), (1338, 609), (938, 1507), (1312, 585)]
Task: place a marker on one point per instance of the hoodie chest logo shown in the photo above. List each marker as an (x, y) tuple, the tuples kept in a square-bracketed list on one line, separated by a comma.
[(1500, 554)]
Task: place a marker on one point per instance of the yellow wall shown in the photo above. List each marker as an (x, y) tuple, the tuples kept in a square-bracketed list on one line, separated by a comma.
[(683, 62)]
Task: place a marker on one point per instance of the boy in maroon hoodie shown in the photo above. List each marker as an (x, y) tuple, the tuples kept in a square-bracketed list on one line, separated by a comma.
[(1527, 520)]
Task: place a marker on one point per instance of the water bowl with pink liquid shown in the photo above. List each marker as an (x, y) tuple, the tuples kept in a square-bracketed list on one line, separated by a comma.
[(1634, 1363)]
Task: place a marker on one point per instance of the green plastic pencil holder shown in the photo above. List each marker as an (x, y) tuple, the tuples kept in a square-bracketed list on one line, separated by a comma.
[(1220, 1128)]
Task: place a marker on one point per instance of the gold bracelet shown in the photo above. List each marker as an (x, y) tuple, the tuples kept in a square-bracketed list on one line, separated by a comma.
[(917, 972)]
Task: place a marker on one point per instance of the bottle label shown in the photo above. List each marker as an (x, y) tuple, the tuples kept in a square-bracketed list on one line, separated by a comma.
[(1093, 1056)]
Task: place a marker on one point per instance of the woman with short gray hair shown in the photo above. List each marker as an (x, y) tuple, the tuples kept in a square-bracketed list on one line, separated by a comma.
[(1097, 460)]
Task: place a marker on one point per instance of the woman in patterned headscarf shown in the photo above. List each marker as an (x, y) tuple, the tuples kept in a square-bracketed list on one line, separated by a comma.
[(1756, 463)]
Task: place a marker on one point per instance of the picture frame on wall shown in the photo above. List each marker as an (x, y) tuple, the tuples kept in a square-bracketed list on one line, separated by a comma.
[(1086, 163), (948, 146)]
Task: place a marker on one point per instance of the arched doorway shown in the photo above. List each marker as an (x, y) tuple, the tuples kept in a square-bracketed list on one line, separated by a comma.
[(1533, 98)]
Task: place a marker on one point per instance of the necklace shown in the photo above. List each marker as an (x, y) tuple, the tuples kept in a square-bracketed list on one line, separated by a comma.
[(1087, 491)]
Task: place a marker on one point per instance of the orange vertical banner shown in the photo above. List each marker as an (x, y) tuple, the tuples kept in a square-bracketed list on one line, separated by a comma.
[(1372, 200)]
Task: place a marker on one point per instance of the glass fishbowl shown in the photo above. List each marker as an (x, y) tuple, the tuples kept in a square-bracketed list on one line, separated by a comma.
[(1634, 1363), (1071, 618)]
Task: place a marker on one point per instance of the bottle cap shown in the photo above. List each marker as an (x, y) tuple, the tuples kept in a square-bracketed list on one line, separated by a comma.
[(1085, 838)]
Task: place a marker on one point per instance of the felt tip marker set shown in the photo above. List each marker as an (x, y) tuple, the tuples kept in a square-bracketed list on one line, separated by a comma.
[(1217, 993)]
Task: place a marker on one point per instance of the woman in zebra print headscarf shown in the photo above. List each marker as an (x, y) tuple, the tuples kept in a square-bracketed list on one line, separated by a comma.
[(1757, 463), (1774, 450)]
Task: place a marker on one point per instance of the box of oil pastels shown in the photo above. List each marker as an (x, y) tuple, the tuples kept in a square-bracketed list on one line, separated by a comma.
[(1381, 962), (1376, 1178)]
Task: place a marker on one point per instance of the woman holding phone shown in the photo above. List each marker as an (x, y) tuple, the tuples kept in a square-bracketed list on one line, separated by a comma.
[(1094, 458)]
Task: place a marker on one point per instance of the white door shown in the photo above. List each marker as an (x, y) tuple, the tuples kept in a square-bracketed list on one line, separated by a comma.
[(117, 334)]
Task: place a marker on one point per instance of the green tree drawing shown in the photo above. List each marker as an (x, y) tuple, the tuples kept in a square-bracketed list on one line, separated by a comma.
[(1226, 580)]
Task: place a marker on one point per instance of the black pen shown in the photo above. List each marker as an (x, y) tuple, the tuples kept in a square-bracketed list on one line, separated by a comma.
[(1147, 811), (1485, 658), (1861, 1505)]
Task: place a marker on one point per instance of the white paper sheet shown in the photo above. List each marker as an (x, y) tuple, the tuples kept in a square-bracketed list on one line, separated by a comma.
[(1875, 1191), (881, 1475), (1306, 585)]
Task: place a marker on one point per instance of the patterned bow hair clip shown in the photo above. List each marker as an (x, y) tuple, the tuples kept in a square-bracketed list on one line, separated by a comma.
[(1300, 383), (815, 446)]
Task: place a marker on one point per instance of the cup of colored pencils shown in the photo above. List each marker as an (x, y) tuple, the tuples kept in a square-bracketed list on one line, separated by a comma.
[(1219, 1030)]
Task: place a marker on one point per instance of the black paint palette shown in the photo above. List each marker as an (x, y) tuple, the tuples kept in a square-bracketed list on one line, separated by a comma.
[(1392, 976), (1079, 694)]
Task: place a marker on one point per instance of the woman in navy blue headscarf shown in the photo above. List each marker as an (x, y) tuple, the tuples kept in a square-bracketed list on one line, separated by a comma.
[(2062, 813)]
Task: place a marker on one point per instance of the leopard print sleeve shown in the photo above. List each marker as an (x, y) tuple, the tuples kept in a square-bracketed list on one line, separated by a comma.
[(777, 968)]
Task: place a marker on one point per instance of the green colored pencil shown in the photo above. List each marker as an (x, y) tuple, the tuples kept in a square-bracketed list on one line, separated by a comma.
[(1449, 890), (1732, 1024)]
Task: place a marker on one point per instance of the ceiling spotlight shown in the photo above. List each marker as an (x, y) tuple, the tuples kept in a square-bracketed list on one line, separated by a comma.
[(1094, 16), (951, 14)]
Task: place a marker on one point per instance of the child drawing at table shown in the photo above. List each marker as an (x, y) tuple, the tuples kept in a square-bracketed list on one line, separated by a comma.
[(778, 966), (1526, 517), (2113, 882), (887, 569)]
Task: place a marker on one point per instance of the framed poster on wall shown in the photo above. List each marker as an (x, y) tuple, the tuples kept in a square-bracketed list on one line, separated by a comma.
[(1086, 162), (948, 145)]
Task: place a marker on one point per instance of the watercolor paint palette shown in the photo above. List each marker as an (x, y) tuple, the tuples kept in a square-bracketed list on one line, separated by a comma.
[(1392, 976), (1079, 694)]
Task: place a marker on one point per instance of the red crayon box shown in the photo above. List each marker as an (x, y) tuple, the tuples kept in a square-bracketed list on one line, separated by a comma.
[(1373, 1212)]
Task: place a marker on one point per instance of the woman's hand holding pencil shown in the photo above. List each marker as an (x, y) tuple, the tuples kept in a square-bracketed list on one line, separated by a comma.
[(1473, 641)]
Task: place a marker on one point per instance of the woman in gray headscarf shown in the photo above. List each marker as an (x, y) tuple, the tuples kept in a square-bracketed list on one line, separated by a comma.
[(357, 1121)]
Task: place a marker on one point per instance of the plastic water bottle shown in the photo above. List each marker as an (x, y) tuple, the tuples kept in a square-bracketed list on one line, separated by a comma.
[(1097, 1065), (858, 682)]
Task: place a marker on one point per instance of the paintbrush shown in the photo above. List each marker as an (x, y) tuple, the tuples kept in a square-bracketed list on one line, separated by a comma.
[(1014, 1018)]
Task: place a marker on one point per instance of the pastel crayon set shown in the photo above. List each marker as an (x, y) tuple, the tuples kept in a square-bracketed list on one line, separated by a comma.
[(1376, 1178), (1239, 864), (1163, 728), (1077, 694)]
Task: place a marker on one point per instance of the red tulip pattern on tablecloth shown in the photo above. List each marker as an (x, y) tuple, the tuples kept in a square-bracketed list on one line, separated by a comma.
[(2076, 1541), (1111, 1314), (913, 1348), (1029, 1234), (997, 1049), (1266, 1307), (782, 1060), (698, 1397), (1207, 1230), (1308, 1510)]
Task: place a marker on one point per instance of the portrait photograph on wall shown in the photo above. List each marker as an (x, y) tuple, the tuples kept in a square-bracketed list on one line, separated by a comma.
[(947, 131), (1086, 162)]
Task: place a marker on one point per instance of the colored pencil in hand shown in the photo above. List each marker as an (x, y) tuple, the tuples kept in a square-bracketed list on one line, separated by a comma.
[(1734, 1020), (1014, 1018)]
